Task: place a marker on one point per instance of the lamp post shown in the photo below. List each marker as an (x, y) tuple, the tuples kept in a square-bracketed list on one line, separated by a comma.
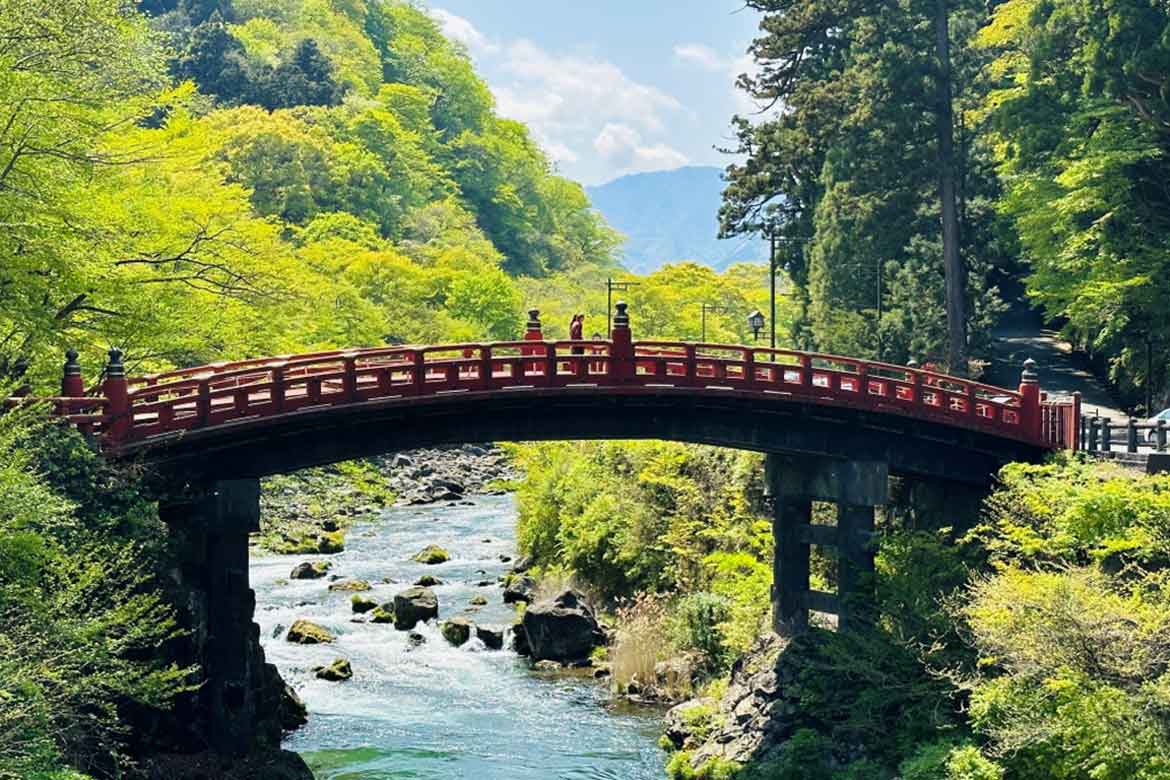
[(772, 229), (610, 286), (756, 323)]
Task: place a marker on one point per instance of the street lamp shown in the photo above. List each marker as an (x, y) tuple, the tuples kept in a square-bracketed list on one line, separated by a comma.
[(756, 323), (610, 286)]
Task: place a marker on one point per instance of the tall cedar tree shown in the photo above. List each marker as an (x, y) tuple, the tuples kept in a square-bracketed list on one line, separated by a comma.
[(846, 161)]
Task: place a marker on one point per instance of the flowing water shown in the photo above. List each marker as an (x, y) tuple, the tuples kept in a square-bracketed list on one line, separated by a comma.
[(437, 711)]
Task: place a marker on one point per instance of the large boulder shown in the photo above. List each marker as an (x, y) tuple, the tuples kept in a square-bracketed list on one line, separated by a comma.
[(310, 570), (304, 632), (338, 671), (562, 629), (432, 554), (457, 630), (414, 606), (520, 589), (491, 636), (428, 581)]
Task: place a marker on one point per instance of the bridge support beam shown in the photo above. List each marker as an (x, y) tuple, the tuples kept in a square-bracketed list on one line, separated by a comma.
[(214, 522), (856, 487)]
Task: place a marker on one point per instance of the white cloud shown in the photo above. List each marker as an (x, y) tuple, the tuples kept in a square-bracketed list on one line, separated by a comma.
[(460, 29), (622, 147), (566, 90), (703, 56)]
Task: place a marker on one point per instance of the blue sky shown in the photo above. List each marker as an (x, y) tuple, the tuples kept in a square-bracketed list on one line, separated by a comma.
[(612, 87)]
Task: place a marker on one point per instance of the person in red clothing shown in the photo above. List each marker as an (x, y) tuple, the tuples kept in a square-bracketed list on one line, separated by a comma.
[(576, 332)]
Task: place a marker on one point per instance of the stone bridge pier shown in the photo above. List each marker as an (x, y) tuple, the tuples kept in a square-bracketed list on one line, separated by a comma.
[(236, 703), (857, 487)]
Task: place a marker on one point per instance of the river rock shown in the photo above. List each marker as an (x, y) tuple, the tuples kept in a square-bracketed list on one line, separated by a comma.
[(416, 639), (338, 671), (520, 589), (562, 629), (414, 606), (457, 630), (428, 581), (478, 601), (293, 712), (684, 721), (432, 554), (362, 604), (547, 666), (350, 586), (304, 632), (491, 636), (382, 614), (520, 640), (310, 570), (522, 564)]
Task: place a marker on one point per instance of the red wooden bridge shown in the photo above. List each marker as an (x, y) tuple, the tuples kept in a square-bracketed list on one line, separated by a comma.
[(241, 398)]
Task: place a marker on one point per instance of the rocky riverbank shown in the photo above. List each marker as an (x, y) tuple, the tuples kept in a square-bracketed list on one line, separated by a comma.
[(310, 511)]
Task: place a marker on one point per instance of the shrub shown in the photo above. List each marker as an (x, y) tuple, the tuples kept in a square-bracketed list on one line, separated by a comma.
[(695, 624), (944, 760)]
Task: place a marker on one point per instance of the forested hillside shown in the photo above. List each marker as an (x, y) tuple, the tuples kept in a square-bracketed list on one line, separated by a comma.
[(252, 177)]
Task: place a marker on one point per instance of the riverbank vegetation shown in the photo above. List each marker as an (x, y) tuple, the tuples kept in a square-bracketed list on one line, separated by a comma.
[(1032, 646)]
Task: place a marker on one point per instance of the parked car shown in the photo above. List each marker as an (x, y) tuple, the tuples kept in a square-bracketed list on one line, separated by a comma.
[(1152, 435)]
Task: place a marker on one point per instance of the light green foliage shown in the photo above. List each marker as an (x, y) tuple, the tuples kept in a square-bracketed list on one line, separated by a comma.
[(948, 761), (1077, 113), (1072, 628), (1074, 511), (78, 607)]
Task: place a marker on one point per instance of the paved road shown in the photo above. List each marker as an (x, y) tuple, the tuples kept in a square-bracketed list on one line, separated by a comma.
[(1021, 335)]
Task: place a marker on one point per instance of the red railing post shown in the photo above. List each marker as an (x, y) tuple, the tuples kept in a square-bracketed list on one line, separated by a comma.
[(485, 367), (624, 367), (119, 417), (349, 378), (72, 384), (420, 372), (749, 369), (533, 331), (1031, 409), (278, 390)]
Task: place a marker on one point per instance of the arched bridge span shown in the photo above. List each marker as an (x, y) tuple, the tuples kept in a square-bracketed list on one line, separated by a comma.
[(258, 417)]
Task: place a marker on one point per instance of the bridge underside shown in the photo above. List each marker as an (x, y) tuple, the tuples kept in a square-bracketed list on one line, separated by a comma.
[(263, 446)]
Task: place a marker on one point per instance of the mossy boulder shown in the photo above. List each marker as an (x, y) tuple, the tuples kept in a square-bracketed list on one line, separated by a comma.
[(338, 671), (428, 581), (382, 614), (414, 606), (310, 570), (362, 604), (350, 586), (305, 632), (478, 601), (331, 543), (562, 629), (432, 554), (457, 630)]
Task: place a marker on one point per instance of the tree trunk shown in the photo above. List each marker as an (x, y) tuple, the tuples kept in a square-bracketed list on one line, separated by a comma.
[(952, 261)]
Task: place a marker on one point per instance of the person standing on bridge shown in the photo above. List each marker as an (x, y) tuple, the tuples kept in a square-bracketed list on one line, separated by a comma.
[(577, 333)]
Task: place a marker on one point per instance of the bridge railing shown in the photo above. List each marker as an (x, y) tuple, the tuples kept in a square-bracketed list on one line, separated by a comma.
[(135, 409)]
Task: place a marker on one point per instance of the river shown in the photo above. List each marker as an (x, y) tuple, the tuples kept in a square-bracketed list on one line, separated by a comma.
[(437, 711)]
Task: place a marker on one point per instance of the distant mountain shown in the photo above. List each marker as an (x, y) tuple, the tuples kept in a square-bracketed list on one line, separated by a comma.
[(670, 216)]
